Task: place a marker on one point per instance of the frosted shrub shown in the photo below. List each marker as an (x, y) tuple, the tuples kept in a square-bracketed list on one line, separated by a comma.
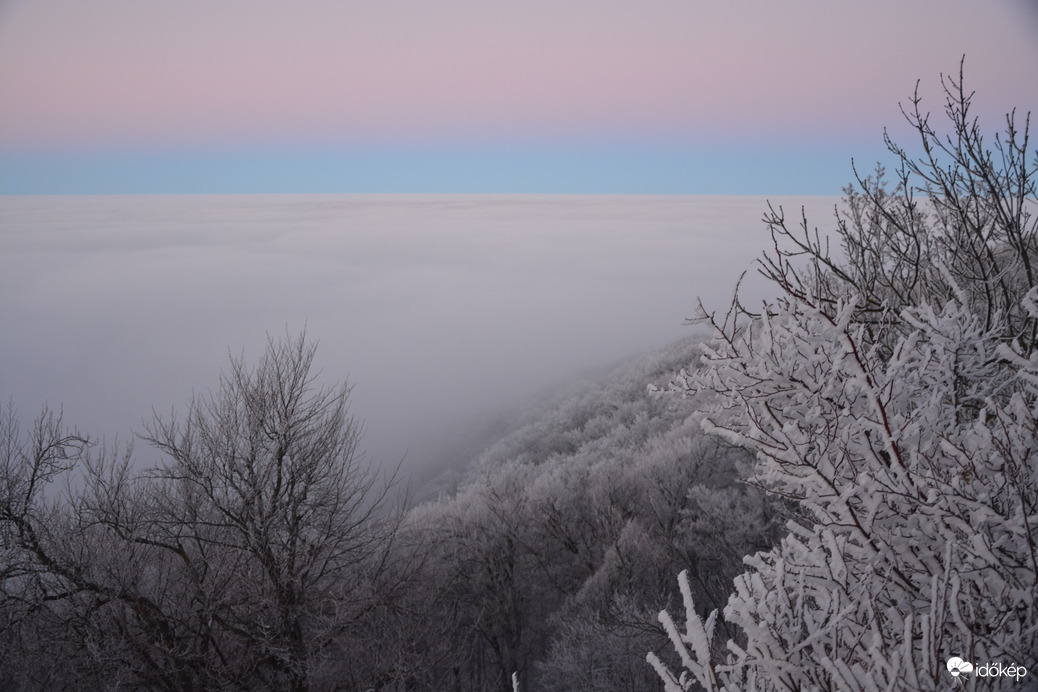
[(903, 426)]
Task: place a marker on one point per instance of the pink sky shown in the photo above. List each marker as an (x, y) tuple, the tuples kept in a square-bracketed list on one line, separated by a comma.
[(126, 73)]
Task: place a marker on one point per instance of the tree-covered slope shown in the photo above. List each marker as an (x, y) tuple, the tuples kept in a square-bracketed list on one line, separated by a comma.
[(554, 556)]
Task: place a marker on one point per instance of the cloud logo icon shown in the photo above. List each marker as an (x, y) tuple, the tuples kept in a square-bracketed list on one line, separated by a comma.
[(957, 667)]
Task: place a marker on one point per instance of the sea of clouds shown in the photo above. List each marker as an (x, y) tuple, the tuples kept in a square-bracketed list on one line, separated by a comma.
[(441, 309)]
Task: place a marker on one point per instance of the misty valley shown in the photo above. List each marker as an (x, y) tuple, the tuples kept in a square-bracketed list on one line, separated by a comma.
[(534, 530), (250, 559)]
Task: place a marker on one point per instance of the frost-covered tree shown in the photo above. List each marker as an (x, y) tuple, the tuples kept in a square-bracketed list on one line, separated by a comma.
[(258, 553), (890, 394), (265, 476), (552, 558)]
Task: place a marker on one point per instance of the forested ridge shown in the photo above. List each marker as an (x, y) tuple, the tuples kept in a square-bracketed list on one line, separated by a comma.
[(556, 555)]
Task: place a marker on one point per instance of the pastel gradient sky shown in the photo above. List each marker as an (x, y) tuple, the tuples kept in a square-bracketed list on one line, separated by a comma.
[(641, 96)]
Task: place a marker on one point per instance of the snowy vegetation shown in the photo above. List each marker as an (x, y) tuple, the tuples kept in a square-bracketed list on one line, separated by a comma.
[(552, 560), (262, 553), (243, 560), (890, 394)]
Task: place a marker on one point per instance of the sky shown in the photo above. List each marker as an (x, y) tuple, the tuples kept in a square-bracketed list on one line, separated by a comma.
[(470, 96)]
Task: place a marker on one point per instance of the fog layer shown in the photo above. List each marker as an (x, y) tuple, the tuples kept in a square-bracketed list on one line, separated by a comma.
[(442, 310)]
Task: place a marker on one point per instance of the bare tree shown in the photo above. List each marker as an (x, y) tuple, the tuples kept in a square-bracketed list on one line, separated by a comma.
[(266, 472), (35, 572), (254, 556)]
